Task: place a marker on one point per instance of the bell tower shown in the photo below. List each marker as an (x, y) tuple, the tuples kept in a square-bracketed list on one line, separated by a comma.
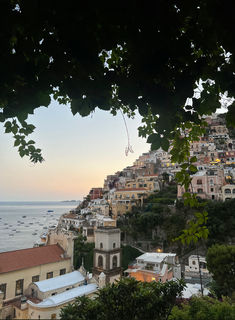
[(107, 254)]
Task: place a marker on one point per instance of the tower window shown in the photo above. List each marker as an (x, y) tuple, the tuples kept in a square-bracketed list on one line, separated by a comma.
[(114, 261), (101, 245), (114, 245), (100, 261)]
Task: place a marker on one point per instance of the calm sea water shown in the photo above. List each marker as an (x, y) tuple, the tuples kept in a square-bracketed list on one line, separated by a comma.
[(22, 223)]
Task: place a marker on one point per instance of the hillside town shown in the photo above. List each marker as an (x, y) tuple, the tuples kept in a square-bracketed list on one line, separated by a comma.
[(36, 283)]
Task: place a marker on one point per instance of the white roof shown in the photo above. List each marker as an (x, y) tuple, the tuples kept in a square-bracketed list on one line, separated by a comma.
[(193, 289), (66, 296), (155, 257), (65, 280)]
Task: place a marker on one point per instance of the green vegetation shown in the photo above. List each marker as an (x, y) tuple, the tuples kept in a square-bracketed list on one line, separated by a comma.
[(163, 223), (119, 57), (221, 263), (128, 255), (83, 251), (127, 299), (203, 309)]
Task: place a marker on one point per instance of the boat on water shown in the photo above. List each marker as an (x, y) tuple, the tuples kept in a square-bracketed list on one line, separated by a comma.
[(23, 216), (50, 210), (34, 234)]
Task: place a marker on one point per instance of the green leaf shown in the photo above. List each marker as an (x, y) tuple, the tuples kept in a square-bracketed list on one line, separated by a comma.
[(193, 159), (17, 143), (7, 124), (153, 137), (31, 142), (22, 153), (165, 144), (8, 130)]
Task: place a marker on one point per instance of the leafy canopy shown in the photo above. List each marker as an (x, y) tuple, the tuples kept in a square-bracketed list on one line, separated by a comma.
[(221, 263), (127, 299), (145, 56)]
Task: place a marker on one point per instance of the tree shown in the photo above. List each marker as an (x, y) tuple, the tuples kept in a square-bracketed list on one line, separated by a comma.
[(221, 263), (127, 299), (204, 308), (115, 56), (83, 251)]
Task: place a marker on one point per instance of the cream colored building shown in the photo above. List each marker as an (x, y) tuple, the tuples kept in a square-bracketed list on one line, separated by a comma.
[(125, 199), (44, 299), (19, 268), (150, 182), (107, 254), (228, 192)]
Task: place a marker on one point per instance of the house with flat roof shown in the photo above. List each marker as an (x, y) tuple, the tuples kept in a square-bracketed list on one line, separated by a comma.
[(153, 266)]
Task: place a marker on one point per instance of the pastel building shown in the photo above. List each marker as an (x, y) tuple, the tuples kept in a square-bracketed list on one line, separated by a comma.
[(125, 198), (152, 266), (107, 255), (206, 184), (228, 192), (19, 268), (44, 299)]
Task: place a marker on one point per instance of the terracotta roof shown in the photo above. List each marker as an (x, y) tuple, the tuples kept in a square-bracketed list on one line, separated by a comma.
[(132, 189), (28, 258)]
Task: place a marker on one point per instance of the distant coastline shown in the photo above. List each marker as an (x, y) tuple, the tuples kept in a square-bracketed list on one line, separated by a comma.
[(70, 201)]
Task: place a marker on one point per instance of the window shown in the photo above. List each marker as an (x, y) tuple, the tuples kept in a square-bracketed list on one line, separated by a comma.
[(101, 245), (114, 261), (227, 191), (114, 245), (211, 181), (19, 287), (35, 278), (54, 293), (53, 316), (62, 271), (213, 197), (233, 190), (212, 189), (49, 275), (100, 261), (199, 181), (3, 288), (199, 190), (193, 262)]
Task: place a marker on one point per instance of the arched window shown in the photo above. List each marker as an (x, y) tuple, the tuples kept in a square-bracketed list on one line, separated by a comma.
[(101, 245), (227, 191), (114, 245), (114, 261), (100, 261)]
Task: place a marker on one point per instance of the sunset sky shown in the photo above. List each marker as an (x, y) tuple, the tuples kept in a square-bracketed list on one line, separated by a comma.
[(79, 153)]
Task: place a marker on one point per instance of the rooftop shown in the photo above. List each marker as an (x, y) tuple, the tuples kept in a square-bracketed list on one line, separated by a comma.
[(31, 257), (65, 280), (66, 296), (155, 257)]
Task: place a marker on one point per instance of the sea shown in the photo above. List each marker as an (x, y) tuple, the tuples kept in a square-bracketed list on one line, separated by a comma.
[(22, 223)]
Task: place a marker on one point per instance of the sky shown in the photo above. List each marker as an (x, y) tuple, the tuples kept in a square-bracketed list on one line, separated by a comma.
[(79, 153)]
